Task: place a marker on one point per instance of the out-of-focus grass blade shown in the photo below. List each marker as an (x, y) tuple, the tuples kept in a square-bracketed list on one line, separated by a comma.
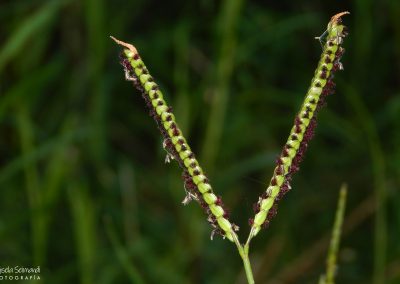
[(329, 277), (41, 152), (27, 30), (84, 222), (122, 255), (31, 85)]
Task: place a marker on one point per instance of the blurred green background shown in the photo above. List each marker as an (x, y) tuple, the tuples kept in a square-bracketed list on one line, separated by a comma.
[(85, 192)]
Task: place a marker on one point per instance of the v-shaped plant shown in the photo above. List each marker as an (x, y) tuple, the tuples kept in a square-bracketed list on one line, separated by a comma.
[(196, 183)]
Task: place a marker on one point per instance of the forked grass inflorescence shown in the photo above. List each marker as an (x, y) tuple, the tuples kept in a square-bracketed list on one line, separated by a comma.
[(196, 183)]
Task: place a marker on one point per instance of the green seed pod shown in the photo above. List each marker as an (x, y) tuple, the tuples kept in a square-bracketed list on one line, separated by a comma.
[(318, 81), (165, 115), (216, 210), (167, 124), (144, 78), (184, 154), (190, 163), (305, 121), (199, 178), (313, 93), (161, 109), (158, 102), (312, 107), (229, 235), (293, 143), (138, 72), (204, 187), (175, 139), (286, 164), (148, 86), (209, 198), (224, 224), (292, 152), (260, 218), (128, 53), (279, 179), (267, 203), (154, 94), (273, 190), (136, 63), (181, 147), (193, 170), (170, 132)]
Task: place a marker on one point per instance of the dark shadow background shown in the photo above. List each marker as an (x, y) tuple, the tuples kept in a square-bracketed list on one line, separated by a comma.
[(85, 192)]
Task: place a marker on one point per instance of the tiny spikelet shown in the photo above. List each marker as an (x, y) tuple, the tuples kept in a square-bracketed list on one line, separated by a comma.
[(305, 122), (196, 183)]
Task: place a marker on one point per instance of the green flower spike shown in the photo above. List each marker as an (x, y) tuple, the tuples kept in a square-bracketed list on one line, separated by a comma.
[(196, 183), (304, 124)]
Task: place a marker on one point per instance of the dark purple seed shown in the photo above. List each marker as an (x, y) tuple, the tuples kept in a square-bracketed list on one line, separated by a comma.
[(265, 225), (328, 60), (256, 207), (285, 153)]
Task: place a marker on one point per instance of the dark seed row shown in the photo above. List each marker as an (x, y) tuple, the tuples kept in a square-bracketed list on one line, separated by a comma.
[(303, 130), (196, 183)]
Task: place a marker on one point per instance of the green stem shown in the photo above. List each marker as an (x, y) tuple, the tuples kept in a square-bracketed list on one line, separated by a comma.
[(244, 254)]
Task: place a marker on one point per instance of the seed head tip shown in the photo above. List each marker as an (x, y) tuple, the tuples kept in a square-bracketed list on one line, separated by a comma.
[(124, 44)]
